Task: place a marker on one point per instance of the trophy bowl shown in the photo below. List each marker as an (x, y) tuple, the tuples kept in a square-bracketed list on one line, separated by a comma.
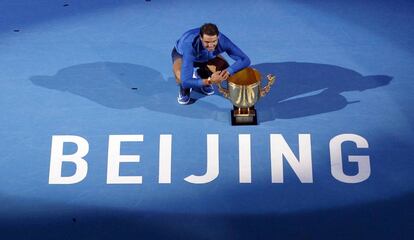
[(244, 90)]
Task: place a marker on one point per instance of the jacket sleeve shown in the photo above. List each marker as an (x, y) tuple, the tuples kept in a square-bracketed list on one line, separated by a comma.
[(242, 60), (187, 69)]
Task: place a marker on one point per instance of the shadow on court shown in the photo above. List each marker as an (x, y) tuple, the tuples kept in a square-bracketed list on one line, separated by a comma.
[(305, 89), (301, 89), (126, 86), (386, 219)]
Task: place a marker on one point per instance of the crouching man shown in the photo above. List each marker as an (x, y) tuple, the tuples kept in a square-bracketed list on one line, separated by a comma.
[(199, 49)]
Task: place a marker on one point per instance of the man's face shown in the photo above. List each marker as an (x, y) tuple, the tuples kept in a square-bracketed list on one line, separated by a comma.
[(209, 42)]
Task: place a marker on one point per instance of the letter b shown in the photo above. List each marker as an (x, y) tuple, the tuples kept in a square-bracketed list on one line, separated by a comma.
[(57, 158)]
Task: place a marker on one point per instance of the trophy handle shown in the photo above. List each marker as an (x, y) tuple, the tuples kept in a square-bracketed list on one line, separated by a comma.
[(222, 90), (270, 81)]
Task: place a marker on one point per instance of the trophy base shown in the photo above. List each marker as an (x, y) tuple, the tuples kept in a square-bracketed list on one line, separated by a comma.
[(243, 116)]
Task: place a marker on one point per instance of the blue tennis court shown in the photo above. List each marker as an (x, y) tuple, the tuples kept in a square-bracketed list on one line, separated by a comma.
[(95, 146)]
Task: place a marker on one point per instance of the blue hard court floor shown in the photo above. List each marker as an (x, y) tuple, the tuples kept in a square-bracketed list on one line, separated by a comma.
[(95, 69)]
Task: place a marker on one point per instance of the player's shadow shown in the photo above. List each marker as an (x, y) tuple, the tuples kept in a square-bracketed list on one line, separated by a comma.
[(301, 89), (304, 89), (127, 86)]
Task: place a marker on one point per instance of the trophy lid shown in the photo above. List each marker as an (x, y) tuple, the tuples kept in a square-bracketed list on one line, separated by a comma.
[(246, 76)]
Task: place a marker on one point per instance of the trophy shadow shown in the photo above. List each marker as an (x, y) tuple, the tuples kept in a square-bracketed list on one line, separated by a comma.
[(301, 89), (305, 89)]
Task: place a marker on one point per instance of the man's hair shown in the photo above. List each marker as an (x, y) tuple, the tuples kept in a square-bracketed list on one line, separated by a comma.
[(209, 29)]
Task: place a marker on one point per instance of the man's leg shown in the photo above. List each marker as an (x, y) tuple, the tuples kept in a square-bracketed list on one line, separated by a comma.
[(183, 94), (177, 69)]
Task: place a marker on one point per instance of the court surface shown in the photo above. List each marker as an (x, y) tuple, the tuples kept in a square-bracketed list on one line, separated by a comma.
[(89, 73)]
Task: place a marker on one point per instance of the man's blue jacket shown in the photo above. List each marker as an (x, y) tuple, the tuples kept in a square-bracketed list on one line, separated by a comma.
[(192, 50)]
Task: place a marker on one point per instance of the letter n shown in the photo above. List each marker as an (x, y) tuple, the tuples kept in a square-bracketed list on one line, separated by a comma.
[(279, 150)]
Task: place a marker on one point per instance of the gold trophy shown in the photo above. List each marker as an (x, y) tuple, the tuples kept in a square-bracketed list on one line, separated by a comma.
[(244, 90)]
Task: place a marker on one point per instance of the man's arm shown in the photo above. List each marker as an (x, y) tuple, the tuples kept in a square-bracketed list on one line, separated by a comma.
[(242, 60), (187, 69)]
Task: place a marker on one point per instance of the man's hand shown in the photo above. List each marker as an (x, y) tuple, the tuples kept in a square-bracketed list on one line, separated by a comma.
[(216, 77), (219, 76), (225, 74)]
